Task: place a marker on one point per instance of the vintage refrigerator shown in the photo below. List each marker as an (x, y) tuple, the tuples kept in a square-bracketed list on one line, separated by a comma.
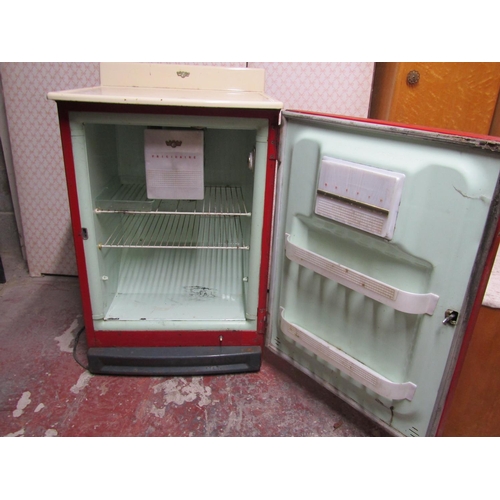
[(209, 224)]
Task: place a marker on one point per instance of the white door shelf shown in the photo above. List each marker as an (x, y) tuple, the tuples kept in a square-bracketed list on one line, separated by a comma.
[(347, 364), (403, 301)]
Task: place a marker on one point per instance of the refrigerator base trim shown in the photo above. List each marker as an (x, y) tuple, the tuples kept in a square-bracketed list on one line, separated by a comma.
[(173, 361)]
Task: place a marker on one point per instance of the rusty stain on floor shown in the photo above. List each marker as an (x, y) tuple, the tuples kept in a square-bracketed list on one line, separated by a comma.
[(44, 392)]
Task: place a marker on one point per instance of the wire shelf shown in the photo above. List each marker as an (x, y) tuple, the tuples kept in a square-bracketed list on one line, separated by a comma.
[(132, 199), (176, 231), (212, 223)]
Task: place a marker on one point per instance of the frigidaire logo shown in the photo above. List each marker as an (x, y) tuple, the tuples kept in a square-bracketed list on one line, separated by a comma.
[(173, 144)]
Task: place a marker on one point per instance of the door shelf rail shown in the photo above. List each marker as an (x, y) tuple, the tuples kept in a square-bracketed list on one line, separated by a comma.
[(132, 199), (400, 300), (347, 364), (176, 231)]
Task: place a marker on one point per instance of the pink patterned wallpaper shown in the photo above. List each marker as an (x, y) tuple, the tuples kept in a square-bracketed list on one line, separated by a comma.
[(338, 88), (37, 157)]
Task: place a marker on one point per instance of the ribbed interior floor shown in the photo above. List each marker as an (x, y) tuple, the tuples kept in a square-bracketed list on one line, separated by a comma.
[(180, 284)]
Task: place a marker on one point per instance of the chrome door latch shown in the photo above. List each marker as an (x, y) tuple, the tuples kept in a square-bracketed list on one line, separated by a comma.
[(450, 317)]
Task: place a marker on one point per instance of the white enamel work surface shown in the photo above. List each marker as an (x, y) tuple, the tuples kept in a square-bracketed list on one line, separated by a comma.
[(169, 97)]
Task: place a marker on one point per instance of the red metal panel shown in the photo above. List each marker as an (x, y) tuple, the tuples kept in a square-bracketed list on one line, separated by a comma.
[(269, 198), (269, 114), (177, 338), (480, 137), (69, 166)]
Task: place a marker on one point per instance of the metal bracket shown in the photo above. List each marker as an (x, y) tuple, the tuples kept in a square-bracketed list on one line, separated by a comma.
[(450, 317)]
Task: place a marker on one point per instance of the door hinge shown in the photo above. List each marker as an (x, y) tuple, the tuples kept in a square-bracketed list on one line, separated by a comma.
[(84, 233)]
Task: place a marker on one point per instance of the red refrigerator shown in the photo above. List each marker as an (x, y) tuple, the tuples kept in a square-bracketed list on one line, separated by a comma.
[(209, 224)]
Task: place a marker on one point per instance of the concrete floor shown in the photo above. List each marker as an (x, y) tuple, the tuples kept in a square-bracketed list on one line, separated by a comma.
[(44, 392)]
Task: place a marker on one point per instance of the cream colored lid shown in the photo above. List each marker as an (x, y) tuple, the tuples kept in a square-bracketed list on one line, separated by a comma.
[(175, 85)]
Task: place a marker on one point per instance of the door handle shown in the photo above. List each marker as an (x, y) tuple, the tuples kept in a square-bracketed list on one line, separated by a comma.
[(450, 317)]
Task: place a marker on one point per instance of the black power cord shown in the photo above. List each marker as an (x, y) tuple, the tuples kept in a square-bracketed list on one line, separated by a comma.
[(77, 338)]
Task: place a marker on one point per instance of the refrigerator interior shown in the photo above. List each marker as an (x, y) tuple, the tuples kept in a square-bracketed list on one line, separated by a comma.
[(164, 263)]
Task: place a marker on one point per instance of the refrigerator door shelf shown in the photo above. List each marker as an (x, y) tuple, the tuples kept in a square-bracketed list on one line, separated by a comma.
[(347, 364), (407, 302)]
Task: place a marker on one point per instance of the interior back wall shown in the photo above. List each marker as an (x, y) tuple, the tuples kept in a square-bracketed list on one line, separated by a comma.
[(337, 88)]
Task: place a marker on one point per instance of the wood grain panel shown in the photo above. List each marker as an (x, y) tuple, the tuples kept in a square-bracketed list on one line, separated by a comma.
[(495, 122), (384, 80), (456, 96), (475, 409)]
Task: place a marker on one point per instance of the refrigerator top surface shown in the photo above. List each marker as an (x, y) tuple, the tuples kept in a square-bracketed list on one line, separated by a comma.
[(169, 97), (175, 85)]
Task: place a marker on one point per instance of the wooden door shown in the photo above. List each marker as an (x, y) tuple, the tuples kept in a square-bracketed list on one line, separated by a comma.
[(456, 96), (475, 407)]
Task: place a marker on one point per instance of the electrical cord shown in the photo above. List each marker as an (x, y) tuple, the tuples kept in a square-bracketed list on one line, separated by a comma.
[(77, 338)]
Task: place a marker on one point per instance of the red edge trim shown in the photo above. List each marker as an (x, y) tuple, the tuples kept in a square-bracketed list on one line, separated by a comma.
[(69, 167), (175, 338), (169, 338), (483, 283), (272, 156), (459, 133)]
